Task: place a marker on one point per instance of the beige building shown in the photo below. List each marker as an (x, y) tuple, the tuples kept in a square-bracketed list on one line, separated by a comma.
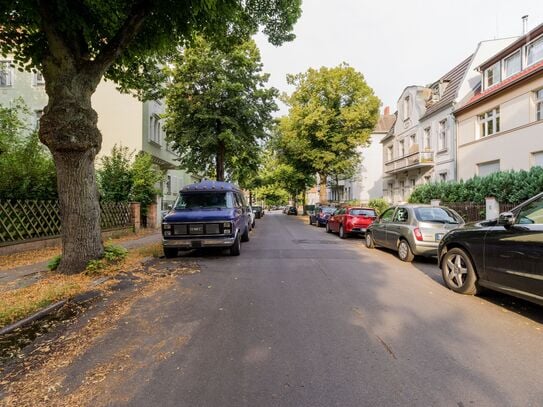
[(122, 120), (500, 127)]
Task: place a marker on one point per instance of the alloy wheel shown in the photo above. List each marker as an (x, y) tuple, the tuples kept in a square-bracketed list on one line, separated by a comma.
[(456, 270)]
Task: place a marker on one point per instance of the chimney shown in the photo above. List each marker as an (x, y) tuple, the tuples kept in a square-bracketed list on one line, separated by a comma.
[(387, 110), (524, 24)]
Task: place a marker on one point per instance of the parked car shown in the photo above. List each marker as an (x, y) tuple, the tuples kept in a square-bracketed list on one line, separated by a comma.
[(258, 211), (321, 215), (347, 221), (412, 230), (252, 216), (292, 210), (504, 255), (206, 214)]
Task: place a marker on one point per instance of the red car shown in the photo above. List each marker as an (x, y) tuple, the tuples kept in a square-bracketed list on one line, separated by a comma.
[(349, 220)]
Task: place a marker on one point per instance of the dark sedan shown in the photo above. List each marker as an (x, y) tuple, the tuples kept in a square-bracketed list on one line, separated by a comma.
[(504, 255), (292, 210), (321, 215)]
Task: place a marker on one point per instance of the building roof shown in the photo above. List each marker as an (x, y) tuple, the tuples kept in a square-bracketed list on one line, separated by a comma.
[(523, 40), (454, 79), (518, 77), (385, 122)]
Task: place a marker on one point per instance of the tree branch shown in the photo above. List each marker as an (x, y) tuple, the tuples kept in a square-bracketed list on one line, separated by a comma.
[(57, 45)]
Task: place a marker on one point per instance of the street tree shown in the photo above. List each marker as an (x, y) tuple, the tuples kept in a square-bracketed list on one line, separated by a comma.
[(75, 44), (219, 108), (332, 111)]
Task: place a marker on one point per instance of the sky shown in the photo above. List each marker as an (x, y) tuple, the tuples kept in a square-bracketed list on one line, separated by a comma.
[(394, 43)]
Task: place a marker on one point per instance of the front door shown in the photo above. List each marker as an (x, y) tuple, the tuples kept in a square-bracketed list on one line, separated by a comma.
[(514, 254), (401, 217), (379, 228)]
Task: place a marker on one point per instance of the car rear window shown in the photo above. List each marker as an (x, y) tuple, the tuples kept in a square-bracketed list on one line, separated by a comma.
[(328, 210), (436, 215), (363, 212)]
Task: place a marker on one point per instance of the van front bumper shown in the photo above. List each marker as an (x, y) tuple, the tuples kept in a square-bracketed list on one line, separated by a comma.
[(192, 243)]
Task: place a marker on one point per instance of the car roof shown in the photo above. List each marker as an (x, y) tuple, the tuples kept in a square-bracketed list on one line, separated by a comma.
[(211, 186)]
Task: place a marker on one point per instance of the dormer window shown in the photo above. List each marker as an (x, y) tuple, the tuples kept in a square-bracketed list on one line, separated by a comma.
[(406, 108), (534, 51), (511, 64), (492, 75)]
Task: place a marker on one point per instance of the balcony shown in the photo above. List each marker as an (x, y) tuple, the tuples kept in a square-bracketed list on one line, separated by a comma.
[(419, 159)]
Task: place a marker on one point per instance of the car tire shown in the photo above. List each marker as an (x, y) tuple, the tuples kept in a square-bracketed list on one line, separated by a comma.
[(254, 224), (370, 244), (245, 236), (404, 251), (458, 272), (310, 221), (328, 230), (170, 252), (235, 249), (342, 234)]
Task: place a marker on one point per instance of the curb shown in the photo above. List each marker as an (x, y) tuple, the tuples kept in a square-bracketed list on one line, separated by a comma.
[(80, 298)]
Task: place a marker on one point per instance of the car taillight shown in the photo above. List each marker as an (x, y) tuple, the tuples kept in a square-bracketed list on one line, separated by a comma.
[(418, 235)]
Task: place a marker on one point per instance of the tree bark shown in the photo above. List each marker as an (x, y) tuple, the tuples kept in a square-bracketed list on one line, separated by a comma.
[(69, 129), (323, 198), (219, 161)]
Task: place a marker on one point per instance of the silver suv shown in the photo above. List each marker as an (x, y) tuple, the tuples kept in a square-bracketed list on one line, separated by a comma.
[(412, 230)]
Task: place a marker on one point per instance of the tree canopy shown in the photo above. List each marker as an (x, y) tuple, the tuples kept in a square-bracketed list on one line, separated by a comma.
[(219, 109), (76, 43), (332, 111)]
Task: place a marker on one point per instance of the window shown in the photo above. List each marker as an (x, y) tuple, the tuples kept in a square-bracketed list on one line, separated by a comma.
[(38, 79), (492, 75), (412, 140), (537, 159), (168, 185), (36, 118), (389, 153), (490, 122), (6, 74), (402, 188), (436, 215), (442, 176), (413, 183), (406, 108), (511, 64), (427, 143), (391, 190), (154, 129), (402, 215), (442, 135), (532, 213), (401, 148), (534, 51), (539, 104), (387, 215), (488, 168)]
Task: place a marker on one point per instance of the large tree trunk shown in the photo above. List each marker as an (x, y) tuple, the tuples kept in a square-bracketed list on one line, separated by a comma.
[(220, 161), (69, 128), (323, 198)]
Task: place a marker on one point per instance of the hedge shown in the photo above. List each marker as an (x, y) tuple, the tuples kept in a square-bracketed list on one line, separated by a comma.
[(510, 187)]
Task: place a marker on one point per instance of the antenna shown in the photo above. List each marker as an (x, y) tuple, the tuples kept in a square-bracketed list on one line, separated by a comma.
[(524, 24)]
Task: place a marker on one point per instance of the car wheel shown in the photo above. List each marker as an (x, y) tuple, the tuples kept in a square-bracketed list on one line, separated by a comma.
[(458, 272), (245, 236), (170, 252), (341, 232), (404, 251), (328, 230), (235, 249), (310, 221), (254, 224), (369, 241)]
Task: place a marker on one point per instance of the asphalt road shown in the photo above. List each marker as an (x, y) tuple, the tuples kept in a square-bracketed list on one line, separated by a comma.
[(303, 318)]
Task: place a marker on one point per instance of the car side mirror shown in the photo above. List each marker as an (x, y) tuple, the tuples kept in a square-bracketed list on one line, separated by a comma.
[(506, 219), (170, 207)]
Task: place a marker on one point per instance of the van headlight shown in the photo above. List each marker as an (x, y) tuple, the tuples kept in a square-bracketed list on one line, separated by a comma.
[(227, 228)]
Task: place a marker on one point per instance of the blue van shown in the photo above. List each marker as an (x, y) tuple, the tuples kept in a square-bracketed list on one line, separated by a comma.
[(206, 214)]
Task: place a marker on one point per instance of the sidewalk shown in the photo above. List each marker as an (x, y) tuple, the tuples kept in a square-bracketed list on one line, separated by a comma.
[(23, 276)]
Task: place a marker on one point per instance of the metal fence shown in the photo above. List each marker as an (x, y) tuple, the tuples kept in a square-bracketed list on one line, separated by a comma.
[(470, 211), (25, 220)]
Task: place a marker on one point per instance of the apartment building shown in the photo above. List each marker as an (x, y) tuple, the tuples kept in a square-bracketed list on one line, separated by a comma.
[(500, 127), (122, 119)]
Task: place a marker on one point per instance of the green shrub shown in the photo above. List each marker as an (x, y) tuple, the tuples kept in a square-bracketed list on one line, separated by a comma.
[(379, 204), (510, 187), (54, 263), (114, 253)]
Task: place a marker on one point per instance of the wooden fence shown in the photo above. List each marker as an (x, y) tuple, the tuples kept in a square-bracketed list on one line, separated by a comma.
[(468, 210), (25, 220)]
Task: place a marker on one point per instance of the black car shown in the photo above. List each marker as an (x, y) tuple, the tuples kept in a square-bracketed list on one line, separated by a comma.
[(321, 215), (504, 255), (258, 211), (292, 210)]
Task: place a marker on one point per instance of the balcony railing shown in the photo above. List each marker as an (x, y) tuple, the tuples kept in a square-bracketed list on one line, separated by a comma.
[(413, 160)]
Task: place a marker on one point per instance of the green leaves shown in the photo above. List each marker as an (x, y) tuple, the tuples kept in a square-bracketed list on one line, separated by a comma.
[(219, 106), (512, 187), (332, 112)]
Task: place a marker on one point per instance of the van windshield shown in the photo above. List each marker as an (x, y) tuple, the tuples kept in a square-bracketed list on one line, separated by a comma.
[(203, 200), (436, 215)]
